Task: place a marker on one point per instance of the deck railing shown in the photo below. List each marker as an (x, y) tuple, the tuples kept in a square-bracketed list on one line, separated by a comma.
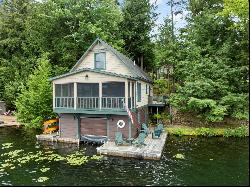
[(113, 102), (64, 102), (93, 102), (87, 102)]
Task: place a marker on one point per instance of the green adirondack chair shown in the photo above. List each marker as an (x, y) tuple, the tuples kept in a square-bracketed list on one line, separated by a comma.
[(119, 139), (140, 139), (158, 131), (145, 129)]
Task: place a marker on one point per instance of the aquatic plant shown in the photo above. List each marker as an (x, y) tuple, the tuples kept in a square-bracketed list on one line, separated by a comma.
[(179, 156), (42, 179), (7, 145), (76, 159), (44, 169)]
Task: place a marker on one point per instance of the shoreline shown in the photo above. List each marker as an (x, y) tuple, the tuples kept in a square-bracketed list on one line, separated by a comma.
[(9, 121), (177, 130)]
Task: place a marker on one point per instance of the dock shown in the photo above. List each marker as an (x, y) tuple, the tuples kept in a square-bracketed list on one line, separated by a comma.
[(152, 150), (54, 137)]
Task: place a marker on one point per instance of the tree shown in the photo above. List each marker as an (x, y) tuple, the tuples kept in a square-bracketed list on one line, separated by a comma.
[(213, 70), (136, 27), (34, 104), (63, 29)]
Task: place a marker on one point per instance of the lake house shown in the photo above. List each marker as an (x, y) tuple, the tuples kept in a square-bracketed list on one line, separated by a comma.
[(93, 97)]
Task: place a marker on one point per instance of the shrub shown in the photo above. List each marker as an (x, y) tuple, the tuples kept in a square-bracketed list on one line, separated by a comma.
[(34, 104)]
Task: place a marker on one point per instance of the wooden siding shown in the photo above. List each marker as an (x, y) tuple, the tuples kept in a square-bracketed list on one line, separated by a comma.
[(94, 126), (125, 130), (144, 95), (68, 126), (92, 78), (113, 64)]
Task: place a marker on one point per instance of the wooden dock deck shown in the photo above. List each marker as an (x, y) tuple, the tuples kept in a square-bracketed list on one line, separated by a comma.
[(152, 150), (54, 137)]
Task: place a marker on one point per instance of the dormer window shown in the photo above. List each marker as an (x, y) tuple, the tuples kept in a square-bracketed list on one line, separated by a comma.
[(100, 60)]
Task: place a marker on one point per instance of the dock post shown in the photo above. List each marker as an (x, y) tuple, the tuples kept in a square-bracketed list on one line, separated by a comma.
[(129, 128)]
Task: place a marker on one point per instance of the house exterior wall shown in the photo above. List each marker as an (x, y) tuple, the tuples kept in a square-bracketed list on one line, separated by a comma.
[(68, 126), (113, 63), (92, 78), (144, 95)]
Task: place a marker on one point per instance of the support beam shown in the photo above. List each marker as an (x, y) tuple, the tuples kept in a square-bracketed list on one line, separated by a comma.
[(108, 128), (75, 95), (129, 128), (100, 95), (126, 92), (54, 95), (78, 123)]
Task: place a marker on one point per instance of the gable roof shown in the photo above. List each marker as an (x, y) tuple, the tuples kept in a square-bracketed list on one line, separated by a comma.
[(138, 72)]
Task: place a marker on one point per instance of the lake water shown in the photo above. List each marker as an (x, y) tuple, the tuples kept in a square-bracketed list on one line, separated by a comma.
[(207, 161)]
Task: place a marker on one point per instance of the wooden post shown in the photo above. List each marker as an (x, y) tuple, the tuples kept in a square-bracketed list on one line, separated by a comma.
[(78, 123), (54, 95), (100, 95), (129, 128), (126, 93), (75, 95), (157, 114), (108, 128)]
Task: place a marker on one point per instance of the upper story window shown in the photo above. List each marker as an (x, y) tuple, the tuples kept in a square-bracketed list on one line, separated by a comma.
[(100, 60)]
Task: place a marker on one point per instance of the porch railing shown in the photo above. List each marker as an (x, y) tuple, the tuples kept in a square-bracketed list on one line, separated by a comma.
[(64, 102), (87, 102), (93, 102), (113, 102)]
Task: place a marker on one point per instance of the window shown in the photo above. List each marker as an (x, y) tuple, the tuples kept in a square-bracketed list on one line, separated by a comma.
[(64, 90), (146, 89), (100, 60), (87, 90), (113, 89), (138, 92)]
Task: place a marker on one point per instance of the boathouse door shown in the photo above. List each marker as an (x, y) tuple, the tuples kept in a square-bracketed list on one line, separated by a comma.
[(94, 126)]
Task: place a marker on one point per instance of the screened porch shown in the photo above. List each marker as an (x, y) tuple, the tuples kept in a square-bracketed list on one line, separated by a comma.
[(107, 95)]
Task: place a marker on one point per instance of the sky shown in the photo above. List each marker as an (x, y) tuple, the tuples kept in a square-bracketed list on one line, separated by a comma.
[(164, 11)]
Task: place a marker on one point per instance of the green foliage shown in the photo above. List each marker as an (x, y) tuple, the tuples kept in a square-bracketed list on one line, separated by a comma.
[(241, 131), (161, 87), (34, 104), (61, 28), (212, 70), (135, 29)]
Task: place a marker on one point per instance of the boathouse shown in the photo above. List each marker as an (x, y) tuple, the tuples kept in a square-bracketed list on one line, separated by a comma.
[(93, 98)]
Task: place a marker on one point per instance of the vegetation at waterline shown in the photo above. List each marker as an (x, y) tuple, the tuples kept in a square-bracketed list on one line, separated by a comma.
[(17, 158), (35, 101), (206, 60), (241, 131)]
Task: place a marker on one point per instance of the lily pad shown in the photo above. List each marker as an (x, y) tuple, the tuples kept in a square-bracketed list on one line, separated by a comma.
[(179, 156), (42, 179)]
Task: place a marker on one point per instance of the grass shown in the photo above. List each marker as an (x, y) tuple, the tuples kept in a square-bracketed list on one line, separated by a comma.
[(241, 131)]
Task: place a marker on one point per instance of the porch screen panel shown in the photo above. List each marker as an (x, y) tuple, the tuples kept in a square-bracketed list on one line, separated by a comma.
[(138, 92), (87, 89), (113, 89), (64, 90), (64, 94)]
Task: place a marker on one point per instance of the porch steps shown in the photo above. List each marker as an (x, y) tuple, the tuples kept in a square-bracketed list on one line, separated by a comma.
[(152, 150)]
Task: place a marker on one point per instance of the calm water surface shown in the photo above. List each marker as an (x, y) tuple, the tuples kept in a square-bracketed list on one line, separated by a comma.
[(208, 161)]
